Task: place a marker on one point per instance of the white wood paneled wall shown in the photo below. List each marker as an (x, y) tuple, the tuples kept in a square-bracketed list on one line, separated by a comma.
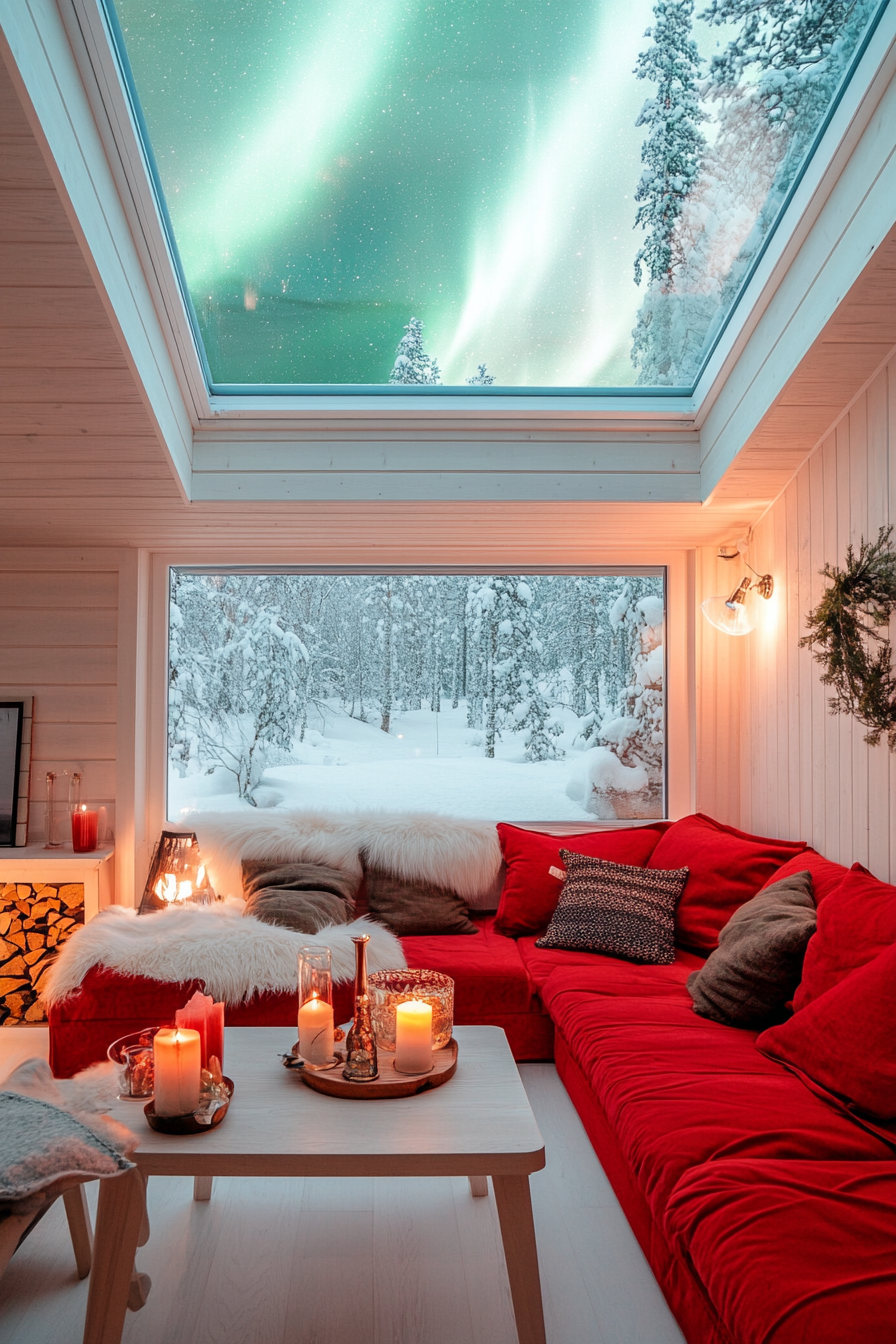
[(59, 643), (804, 772), (718, 695)]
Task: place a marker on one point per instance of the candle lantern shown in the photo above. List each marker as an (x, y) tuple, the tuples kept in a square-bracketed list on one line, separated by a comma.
[(176, 874), (388, 989), (315, 1006)]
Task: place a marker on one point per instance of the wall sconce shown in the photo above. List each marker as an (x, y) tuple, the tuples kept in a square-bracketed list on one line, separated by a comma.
[(730, 614)]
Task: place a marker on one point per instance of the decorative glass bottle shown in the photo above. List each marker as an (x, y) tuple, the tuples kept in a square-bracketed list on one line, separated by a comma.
[(360, 1043), (55, 834)]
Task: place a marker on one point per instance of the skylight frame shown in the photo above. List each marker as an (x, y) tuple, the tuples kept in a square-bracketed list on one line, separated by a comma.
[(216, 402)]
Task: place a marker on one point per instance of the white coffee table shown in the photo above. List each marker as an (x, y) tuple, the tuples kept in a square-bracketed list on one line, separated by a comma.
[(479, 1124)]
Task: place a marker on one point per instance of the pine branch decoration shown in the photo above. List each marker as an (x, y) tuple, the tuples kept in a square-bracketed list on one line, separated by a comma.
[(845, 636)]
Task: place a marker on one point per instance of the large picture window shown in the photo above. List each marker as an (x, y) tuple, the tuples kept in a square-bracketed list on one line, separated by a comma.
[(527, 697)]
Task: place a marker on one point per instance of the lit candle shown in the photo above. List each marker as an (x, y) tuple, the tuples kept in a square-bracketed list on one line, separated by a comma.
[(177, 1060), (316, 1031), (84, 829), (413, 1037)]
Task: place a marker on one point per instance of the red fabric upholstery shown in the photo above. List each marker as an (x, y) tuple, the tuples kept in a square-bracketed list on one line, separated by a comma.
[(680, 1090), (488, 971), (826, 876), (727, 868), (491, 987), (844, 1040), (109, 1005), (855, 923), (792, 1252), (697, 1318), (604, 974), (530, 894)]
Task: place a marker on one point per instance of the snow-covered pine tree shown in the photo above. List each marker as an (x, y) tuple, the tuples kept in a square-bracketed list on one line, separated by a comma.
[(517, 662), (413, 366), (481, 378), (674, 145)]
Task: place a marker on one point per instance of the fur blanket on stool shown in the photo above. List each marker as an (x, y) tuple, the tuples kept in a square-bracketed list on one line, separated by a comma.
[(235, 956)]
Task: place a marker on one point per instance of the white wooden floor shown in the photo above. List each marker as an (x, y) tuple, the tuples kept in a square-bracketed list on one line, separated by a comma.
[(398, 1261)]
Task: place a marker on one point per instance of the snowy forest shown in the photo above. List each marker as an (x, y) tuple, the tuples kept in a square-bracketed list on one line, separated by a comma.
[(724, 141), (516, 697)]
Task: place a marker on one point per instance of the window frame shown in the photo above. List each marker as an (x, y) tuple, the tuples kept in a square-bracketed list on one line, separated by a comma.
[(144, 816), (221, 403)]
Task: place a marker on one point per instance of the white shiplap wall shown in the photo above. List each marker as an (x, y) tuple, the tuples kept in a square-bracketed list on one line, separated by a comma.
[(804, 772), (59, 643)]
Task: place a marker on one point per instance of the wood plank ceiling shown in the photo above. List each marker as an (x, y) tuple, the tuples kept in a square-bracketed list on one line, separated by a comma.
[(80, 463)]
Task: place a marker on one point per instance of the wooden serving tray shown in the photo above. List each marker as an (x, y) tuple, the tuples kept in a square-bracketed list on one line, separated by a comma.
[(389, 1083)]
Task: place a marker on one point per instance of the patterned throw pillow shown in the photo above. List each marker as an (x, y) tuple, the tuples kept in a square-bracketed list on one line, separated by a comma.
[(615, 908)]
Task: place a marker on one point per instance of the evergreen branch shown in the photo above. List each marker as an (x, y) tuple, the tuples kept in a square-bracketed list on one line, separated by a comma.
[(845, 637)]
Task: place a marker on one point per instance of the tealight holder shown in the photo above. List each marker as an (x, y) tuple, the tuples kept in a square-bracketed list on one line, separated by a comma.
[(134, 1055), (388, 989)]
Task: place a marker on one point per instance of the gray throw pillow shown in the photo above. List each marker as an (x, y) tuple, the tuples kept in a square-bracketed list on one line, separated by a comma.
[(415, 908), (305, 897), (616, 908), (753, 973)]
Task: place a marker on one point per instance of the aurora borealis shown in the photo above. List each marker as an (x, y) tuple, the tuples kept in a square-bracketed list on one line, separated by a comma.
[(334, 167)]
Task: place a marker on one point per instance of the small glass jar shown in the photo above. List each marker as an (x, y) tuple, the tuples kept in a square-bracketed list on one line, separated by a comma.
[(388, 989)]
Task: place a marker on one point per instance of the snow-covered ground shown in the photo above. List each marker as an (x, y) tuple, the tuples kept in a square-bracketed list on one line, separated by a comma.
[(427, 762)]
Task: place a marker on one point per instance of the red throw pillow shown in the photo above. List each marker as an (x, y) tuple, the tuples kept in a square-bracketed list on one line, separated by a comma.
[(855, 923), (843, 1041), (727, 868), (826, 875), (530, 894)]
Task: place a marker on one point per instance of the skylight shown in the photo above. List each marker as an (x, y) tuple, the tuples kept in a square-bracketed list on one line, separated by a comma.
[(545, 194)]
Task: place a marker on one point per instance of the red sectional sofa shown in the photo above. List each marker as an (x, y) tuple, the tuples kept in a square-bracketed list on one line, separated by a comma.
[(765, 1208)]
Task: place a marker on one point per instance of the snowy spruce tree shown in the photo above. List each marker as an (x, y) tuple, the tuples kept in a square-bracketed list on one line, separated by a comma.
[(517, 652), (674, 144), (481, 378), (413, 366)]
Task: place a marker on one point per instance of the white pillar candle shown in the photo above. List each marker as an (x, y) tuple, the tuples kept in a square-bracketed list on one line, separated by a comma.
[(413, 1037), (316, 1031), (177, 1059)]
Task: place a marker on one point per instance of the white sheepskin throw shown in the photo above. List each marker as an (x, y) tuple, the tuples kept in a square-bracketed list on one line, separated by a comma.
[(233, 955), (458, 854)]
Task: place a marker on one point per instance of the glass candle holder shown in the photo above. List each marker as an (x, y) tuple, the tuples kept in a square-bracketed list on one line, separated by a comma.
[(315, 1005), (387, 989)]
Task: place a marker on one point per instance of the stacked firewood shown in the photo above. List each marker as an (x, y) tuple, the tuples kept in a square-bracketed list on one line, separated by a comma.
[(34, 920)]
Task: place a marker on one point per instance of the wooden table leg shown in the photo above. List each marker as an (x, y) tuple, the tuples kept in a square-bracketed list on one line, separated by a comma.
[(521, 1254), (478, 1186), (78, 1215), (202, 1187), (119, 1218)]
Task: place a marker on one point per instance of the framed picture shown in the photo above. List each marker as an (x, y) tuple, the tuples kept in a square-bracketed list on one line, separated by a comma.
[(15, 768)]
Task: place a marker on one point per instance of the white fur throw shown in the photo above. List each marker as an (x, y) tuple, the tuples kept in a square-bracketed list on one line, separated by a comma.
[(460, 855), (233, 955)]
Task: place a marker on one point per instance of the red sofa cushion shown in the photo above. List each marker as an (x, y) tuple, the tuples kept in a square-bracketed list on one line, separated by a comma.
[(530, 893), (488, 972), (790, 1252), (679, 1090), (826, 876), (844, 1040), (855, 923), (603, 974), (727, 868)]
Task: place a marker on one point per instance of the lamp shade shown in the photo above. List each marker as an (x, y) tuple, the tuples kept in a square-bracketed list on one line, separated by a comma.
[(732, 618)]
